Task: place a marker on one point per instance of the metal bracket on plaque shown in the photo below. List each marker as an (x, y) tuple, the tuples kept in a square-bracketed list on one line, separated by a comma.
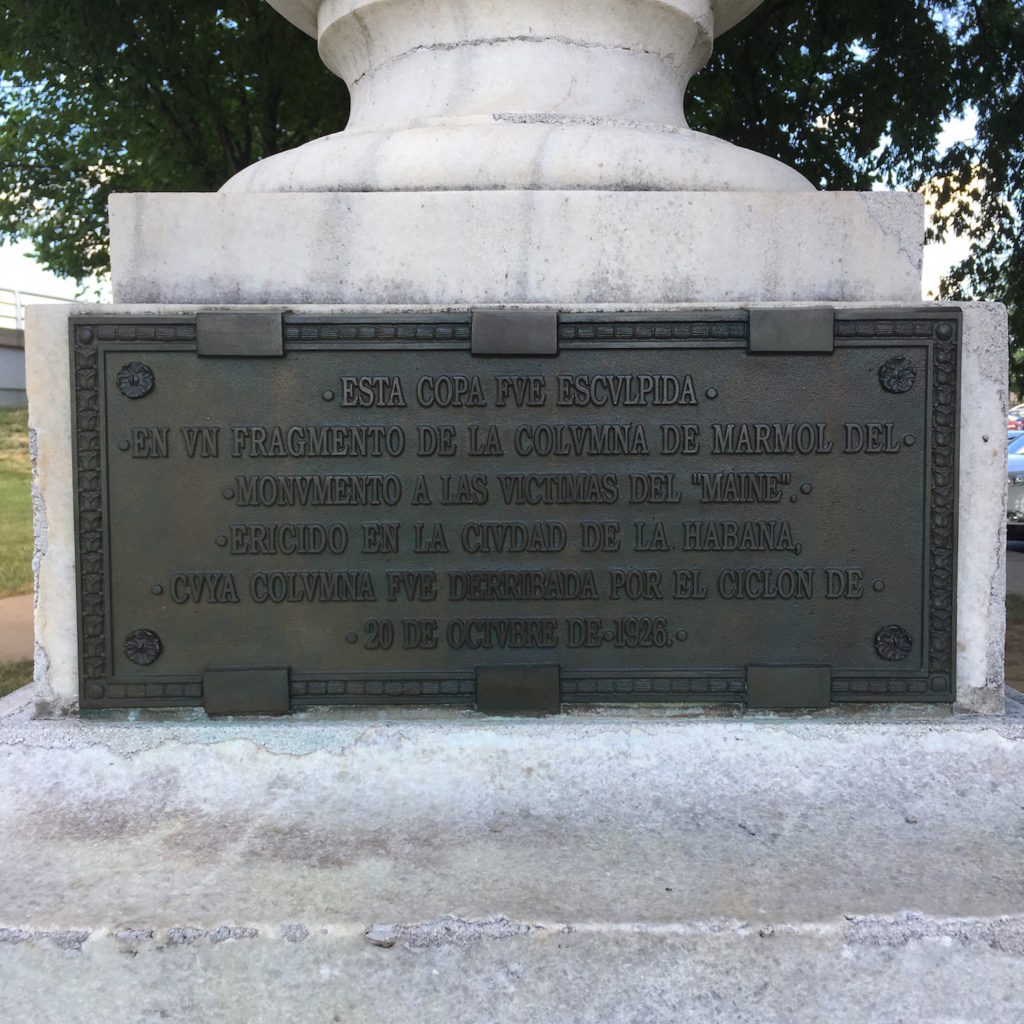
[(249, 335), (515, 332), (519, 690), (788, 687), (246, 691), (794, 329)]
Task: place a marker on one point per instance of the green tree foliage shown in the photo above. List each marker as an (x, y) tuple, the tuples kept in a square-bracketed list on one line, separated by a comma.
[(130, 96), (179, 95), (983, 184), (853, 94), (850, 94)]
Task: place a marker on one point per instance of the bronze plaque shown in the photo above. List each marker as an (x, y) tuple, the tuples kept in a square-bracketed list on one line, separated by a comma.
[(567, 508)]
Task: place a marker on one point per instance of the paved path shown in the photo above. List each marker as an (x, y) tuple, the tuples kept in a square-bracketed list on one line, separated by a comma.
[(16, 628)]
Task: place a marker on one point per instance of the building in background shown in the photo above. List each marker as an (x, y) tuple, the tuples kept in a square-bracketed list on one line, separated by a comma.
[(23, 282), (12, 368)]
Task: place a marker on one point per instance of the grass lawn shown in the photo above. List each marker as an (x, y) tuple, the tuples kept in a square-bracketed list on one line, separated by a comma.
[(15, 527), (14, 674), (15, 504)]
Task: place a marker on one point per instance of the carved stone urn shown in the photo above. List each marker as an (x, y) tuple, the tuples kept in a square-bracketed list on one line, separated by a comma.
[(516, 94)]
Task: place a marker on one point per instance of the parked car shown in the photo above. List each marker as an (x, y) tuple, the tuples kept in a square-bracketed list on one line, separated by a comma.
[(1015, 418), (1015, 489)]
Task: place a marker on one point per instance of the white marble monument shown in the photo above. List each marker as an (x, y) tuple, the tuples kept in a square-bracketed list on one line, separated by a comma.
[(527, 152), (454, 95), (627, 865)]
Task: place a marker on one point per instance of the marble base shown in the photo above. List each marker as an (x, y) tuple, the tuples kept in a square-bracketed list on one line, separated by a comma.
[(515, 151), (614, 870), (487, 94), (860, 864), (558, 247)]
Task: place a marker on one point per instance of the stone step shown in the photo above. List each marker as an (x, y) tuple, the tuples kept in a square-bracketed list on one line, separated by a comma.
[(593, 867)]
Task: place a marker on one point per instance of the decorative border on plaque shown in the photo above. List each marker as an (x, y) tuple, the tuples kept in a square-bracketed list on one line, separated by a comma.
[(98, 689), (91, 515), (644, 687), (880, 686), (945, 423), (453, 686), (183, 331), (942, 548), (370, 331), (155, 691), (652, 330), (887, 329), (95, 684)]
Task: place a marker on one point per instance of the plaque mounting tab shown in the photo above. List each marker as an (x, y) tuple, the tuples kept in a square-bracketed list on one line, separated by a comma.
[(519, 690), (786, 688), (791, 330), (249, 335), (243, 691), (515, 332)]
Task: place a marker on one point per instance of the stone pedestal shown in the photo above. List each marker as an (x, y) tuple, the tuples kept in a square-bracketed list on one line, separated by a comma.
[(487, 94), (628, 865), (452, 869), (635, 865), (521, 247)]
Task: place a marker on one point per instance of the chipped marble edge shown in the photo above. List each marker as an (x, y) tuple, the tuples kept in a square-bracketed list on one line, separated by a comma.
[(339, 731), (1002, 934)]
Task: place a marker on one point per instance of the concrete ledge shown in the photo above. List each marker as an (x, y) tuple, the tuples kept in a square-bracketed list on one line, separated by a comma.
[(517, 246), (903, 969), (603, 870)]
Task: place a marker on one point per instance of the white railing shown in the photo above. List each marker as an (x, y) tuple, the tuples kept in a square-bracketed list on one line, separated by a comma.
[(13, 302)]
